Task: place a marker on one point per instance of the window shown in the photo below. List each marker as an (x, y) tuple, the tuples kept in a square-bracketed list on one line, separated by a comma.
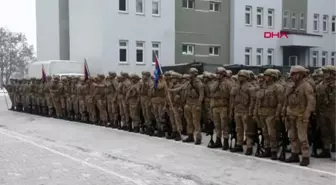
[(155, 51), (188, 49), (332, 60), (260, 12), (333, 24), (293, 60), (270, 18), (315, 58), (259, 56), (140, 50), (285, 19), (123, 47), (123, 5), (248, 15), (270, 53), (190, 4), (248, 55), (294, 20), (316, 22), (324, 58), (325, 23), (214, 50), (302, 21), (215, 6), (140, 6), (156, 7)]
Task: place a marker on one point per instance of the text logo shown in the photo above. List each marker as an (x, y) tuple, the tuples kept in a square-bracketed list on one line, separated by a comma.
[(279, 35)]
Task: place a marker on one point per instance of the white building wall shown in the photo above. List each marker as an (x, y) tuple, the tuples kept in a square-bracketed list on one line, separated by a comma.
[(328, 7), (253, 36), (97, 26), (47, 30)]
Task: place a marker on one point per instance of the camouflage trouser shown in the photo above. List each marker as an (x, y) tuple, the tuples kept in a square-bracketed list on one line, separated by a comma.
[(134, 109), (146, 109), (192, 114), (91, 108), (207, 111), (69, 104), (298, 135), (244, 124), (158, 104), (175, 114), (82, 108), (33, 100), (220, 117), (123, 110), (18, 100), (112, 108), (101, 105), (49, 104), (268, 126), (327, 123), (41, 101), (58, 106), (75, 108)]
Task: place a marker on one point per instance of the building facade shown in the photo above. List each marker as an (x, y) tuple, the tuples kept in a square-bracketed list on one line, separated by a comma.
[(126, 35)]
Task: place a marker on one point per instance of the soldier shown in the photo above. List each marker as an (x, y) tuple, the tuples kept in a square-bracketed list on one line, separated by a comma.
[(48, 97), (206, 111), (194, 91), (268, 109), (122, 89), (90, 101), (111, 92), (56, 96), (62, 85), (100, 98), (26, 98), (82, 90), (158, 99), (242, 104), (68, 98), (220, 106), (326, 94), (42, 98), (298, 105), (74, 98), (145, 86), (33, 95), (133, 98)]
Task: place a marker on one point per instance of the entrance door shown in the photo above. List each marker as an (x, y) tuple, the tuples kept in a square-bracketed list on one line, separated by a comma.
[(293, 60)]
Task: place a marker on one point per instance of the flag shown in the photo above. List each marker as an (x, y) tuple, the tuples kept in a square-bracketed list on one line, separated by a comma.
[(157, 71), (86, 71), (44, 76)]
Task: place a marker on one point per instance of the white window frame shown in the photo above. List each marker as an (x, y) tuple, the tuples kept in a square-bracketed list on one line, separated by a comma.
[(294, 17), (325, 23), (248, 53), (212, 50), (123, 47), (285, 19), (142, 7), (270, 53), (333, 58), (159, 8), (190, 4), (190, 49), (302, 25), (212, 6), (259, 55), (156, 48), (142, 48), (270, 16), (260, 15), (315, 58), (248, 12), (126, 6), (333, 24), (324, 58), (316, 21)]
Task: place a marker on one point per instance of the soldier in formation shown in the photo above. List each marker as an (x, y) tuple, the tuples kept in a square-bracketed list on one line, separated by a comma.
[(186, 104)]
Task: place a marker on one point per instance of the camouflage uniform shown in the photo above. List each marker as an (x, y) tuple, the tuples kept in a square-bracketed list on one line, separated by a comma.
[(82, 90), (56, 96), (299, 103), (48, 97), (145, 85), (133, 98), (111, 94), (158, 100)]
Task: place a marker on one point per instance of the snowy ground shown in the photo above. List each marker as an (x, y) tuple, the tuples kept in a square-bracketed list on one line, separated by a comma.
[(36, 150)]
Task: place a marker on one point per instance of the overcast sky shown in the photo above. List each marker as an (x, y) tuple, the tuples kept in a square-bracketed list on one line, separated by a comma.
[(19, 16)]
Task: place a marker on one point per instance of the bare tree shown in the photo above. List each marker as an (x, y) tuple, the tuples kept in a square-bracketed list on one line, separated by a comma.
[(15, 53)]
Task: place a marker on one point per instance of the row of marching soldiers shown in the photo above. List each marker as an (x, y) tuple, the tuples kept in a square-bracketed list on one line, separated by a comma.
[(186, 104)]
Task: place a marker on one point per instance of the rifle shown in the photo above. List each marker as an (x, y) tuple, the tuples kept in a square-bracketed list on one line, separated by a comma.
[(284, 140), (209, 129), (314, 136), (233, 133)]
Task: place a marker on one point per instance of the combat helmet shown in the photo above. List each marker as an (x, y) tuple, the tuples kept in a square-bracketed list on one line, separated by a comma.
[(271, 72), (298, 69), (244, 73), (329, 68), (221, 70), (193, 71)]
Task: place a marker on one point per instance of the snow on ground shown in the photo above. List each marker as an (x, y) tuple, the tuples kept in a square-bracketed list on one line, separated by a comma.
[(38, 150)]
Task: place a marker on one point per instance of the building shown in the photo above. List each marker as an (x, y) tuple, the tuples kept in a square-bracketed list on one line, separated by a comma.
[(125, 35)]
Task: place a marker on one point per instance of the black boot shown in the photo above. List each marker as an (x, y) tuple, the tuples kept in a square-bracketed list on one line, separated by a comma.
[(217, 144), (160, 133), (225, 144), (171, 136), (266, 153), (178, 137), (136, 129), (237, 148), (150, 131), (249, 151), (189, 139), (304, 161), (294, 158), (198, 141), (324, 154), (274, 155), (130, 129), (333, 148)]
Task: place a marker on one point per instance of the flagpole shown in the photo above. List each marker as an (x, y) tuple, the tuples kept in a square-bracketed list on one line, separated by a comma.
[(87, 67)]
